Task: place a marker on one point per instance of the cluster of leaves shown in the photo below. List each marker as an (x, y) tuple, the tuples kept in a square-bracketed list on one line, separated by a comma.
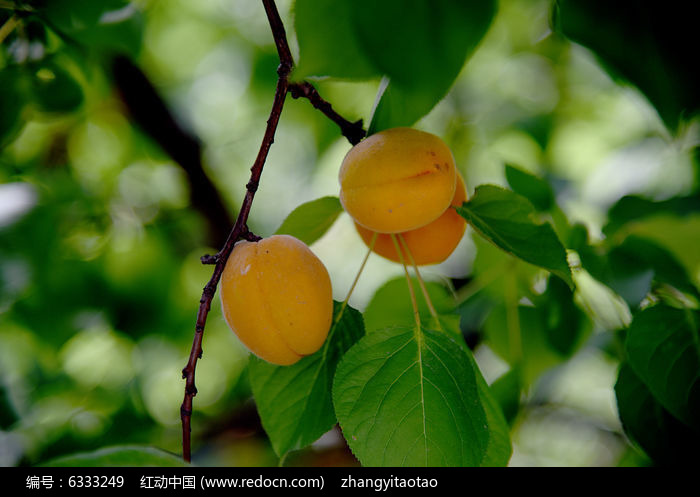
[(412, 395), (46, 56)]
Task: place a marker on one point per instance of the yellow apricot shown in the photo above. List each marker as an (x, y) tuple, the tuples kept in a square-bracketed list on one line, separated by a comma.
[(397, 180), (277, 298), (430, 244)]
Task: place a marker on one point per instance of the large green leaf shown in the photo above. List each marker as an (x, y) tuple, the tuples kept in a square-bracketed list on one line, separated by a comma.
[(665, 439), (645, 43), (311, 220), (410, 397), (104, 25), (663, 349), (328, 44), (421, 46), (120, 455), (420, 42), (391, 306), (402, 106), (509, 221), (294, 402)]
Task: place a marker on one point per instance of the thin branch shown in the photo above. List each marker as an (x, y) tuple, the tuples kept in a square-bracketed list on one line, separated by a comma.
[(354, 132), (240, 228)]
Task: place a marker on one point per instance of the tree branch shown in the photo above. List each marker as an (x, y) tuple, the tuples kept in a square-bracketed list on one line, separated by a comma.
[(354, 133), (240, 228)]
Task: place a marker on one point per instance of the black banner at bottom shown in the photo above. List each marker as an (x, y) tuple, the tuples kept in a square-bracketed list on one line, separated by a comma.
[(193, 480)]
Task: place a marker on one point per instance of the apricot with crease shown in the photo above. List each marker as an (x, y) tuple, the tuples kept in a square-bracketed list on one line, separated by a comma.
[(277, 298), (397, 180)]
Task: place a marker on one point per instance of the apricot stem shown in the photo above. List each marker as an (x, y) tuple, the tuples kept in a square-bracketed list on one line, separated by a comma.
[(479, 283), (411, 291), (357, 277), (421, 283)]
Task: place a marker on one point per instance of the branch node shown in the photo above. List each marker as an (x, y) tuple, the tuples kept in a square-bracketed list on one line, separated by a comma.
[(284, 69), (209, 259), (251, 237), (353, 131), (252, 186)]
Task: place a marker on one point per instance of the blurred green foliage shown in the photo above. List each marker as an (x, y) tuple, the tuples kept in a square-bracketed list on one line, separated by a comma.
[(100, 278)]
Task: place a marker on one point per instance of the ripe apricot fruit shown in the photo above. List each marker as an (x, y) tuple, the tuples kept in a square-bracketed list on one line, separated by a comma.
[(429, 244), (277, 298), (397, 180)]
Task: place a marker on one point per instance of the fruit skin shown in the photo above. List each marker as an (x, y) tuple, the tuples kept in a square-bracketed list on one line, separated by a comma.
[(397, 180), (430, 244), (277, 298)]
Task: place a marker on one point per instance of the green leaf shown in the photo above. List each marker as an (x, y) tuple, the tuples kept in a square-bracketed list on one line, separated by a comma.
[(409, 397), (421, 42), (499, 448), (636, 262), (55, 90), (294, 402), (421, 46), (679, 235), (12, 100), (665, 37), (564, 324), (506, 390), (508, 220), (535, 189), (391, 305), (663, 349), (311, 220), (665, 439), (328, 45), (119, 456), (103, 25), (633, 208), (523, 343), (402, 106)]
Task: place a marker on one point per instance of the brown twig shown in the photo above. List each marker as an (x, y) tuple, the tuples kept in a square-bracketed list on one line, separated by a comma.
[(352, 131), (240, 228)]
